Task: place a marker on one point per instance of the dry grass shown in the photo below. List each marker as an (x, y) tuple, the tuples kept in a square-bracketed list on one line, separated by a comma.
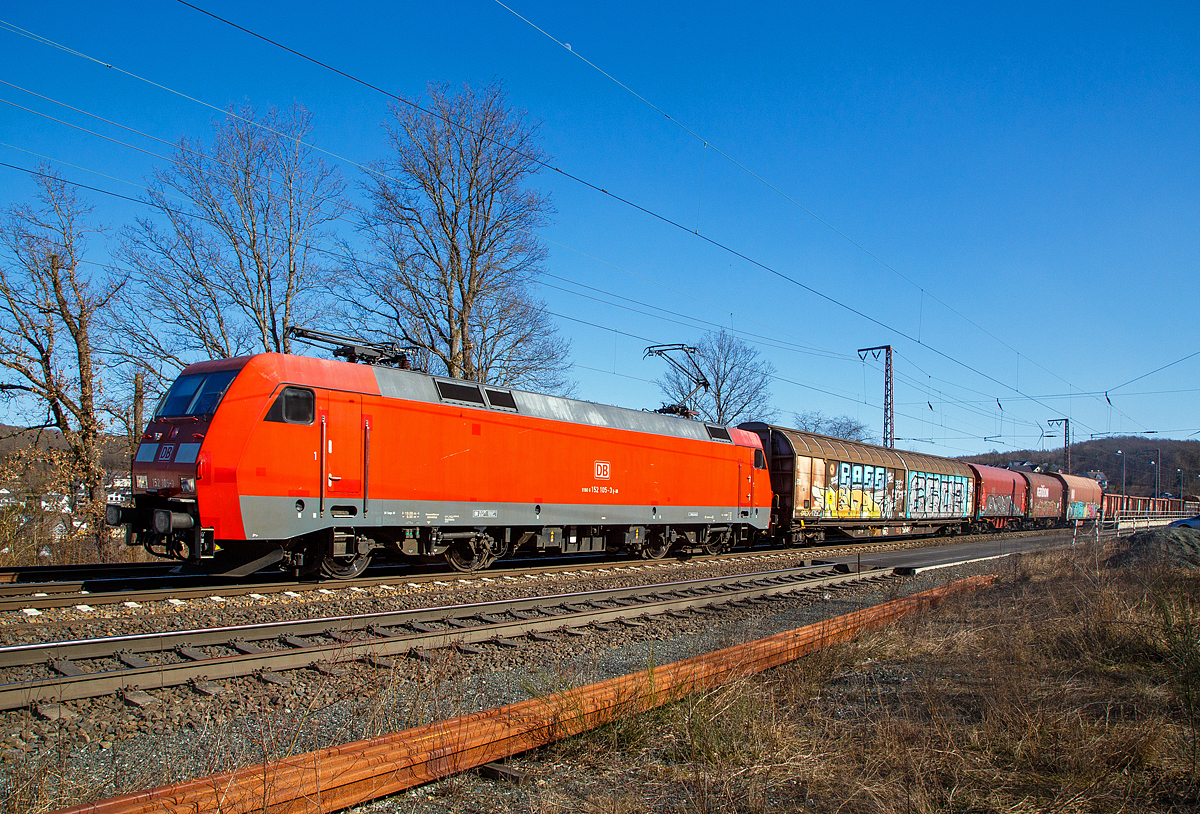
[(1066, 687)]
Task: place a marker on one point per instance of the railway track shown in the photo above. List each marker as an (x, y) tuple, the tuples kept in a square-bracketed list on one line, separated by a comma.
[(47, 574), (41, 674), (25, 596)]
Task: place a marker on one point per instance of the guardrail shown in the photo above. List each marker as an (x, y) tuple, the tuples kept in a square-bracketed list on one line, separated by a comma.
[(341, 776), (1136, 522)]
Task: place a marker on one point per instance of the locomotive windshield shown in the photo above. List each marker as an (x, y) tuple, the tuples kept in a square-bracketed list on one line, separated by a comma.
[(195, 394)]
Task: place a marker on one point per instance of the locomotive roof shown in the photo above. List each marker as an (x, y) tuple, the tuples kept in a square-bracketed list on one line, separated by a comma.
[(406, 384), (424, 387)]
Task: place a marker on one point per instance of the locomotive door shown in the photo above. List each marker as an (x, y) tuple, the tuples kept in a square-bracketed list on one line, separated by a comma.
[(342, 433), (745, 490), (739, 490)]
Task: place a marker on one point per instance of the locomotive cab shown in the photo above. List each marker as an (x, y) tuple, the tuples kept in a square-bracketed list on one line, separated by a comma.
[(171, 464)]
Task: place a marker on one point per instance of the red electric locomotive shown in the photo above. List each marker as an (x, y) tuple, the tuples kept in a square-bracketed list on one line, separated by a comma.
[(322, 465)]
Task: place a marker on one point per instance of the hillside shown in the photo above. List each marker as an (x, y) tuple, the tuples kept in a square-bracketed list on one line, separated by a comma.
[(115, 458)]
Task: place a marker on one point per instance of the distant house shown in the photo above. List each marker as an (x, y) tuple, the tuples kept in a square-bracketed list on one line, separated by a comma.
[(7, 498), (56, 502), (58, 531)]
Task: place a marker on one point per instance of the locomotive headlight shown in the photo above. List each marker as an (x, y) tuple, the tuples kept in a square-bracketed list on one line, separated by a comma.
[(140, 481), (187, 484)]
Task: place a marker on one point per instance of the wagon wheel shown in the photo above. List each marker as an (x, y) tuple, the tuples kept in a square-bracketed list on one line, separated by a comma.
[(656, 547), (345, 567)]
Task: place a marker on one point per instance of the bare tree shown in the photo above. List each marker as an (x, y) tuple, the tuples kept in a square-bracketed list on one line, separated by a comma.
[(739, 381), (232, 261), (453, 246), (841, 426), (49, 304)]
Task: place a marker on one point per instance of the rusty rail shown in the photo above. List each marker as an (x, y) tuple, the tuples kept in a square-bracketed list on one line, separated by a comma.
[(341, 776)]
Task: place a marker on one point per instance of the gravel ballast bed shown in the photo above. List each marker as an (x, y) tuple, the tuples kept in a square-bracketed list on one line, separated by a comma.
[(111, 747), (63, 624)]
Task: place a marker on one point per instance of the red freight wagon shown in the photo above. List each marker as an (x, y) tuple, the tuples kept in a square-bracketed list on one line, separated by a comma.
[(323, 464), (1083, 497), (1045, 498), (1000, 496)]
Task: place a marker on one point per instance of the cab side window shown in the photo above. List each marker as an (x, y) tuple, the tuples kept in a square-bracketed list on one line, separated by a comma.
[(760, 460), (294, 405)]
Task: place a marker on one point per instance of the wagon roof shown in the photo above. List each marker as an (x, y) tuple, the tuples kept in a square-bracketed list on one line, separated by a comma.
[(824, 446)]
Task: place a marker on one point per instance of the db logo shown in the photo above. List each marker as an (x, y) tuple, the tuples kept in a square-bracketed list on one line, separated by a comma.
[(165, 452), (602, 470)]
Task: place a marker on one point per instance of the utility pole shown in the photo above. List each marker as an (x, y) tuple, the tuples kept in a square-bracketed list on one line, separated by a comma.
[(1158, 473), (1066, 422), (889, 419)]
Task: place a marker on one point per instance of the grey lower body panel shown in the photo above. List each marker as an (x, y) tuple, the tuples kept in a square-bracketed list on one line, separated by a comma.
[(272, 517)]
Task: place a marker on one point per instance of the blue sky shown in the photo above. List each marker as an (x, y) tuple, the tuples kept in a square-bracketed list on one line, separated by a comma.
[(1009, 195)]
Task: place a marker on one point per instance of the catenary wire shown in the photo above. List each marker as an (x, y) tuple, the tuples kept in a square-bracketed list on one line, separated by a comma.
[(582, 181), (708, 145), (155, 138), (350, 207), (98, 190), (628, 202)]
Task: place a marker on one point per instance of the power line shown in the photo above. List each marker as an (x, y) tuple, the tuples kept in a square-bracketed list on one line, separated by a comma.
[(830, 354), (690, 296), (704, 324), (228, 113), (346, 205), (1152, 372), (560, 316), (223, 111), (331, 253), (708, 145), (628, 202), (545, 165), (181, 147)]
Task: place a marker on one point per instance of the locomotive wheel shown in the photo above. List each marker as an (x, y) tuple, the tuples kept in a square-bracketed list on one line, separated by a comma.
[(345, 567), (656, 548), (471, 555), (717, 544)]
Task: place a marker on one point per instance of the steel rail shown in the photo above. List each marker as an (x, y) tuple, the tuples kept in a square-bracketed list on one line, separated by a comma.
[(13, 574), (19, 596), (355, 773), (29, 595), (38, 590), (562, 611), (21, 654)]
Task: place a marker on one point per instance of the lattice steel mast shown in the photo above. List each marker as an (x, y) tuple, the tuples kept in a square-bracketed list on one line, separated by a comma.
[(889, 416), (1066, 422)]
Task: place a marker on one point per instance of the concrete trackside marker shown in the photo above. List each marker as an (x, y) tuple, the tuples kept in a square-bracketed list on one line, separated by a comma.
[(342, 776)]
